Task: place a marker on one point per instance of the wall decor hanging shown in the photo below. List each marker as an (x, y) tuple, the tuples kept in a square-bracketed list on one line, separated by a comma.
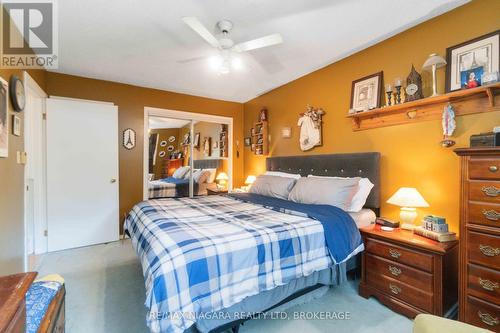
[(17, 93), (248, 141), (207, 146), (16, 125), (263, 114), (310, 123), (163, 143), (162, 154), (196, 142), (365, 92), (4, 119), (129, 139), (449, 125), (187, 139), (469, 61), (170, 148), (171, 138)]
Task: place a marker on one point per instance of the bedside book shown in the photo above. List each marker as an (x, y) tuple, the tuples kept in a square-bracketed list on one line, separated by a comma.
[(438, 236)]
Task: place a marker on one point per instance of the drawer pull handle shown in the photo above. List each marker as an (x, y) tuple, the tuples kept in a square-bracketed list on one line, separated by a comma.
[(493, 168), (491, 214), (488, 285), (489, 251), (394, 289), (488, 319), (394, 253), (394, 270), (491, 191)]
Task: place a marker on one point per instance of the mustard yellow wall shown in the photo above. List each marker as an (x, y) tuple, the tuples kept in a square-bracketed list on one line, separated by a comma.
[(411, 154)]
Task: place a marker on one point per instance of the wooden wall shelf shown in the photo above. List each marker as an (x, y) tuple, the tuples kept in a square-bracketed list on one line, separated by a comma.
[(469, 101)]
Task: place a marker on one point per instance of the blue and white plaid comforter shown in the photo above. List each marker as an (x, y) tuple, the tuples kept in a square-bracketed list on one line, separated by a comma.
[(205, 254)]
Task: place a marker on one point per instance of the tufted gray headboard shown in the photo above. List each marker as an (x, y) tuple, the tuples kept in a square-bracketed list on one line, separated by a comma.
[(365, 165), (208, 164)]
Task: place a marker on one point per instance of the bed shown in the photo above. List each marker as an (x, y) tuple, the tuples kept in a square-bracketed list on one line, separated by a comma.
[(210, 263), (171, 187)]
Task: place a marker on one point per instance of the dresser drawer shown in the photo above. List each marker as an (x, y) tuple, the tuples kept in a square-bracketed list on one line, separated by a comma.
[(414, 277), (484, 191), (399, 254), (483, 249), (484, 283), (401, 291), (484, 168), (484, 213), (482, 314)]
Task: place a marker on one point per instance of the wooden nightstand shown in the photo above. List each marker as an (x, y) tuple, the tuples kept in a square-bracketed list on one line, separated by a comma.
[(216, 191), (408, 273)]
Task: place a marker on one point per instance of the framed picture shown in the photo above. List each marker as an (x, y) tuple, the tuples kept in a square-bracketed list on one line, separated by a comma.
[(365, 92), (467, 60), (252, 131), (163, 143), (196, 142), (4, 119), (16, 125), (248, 141)]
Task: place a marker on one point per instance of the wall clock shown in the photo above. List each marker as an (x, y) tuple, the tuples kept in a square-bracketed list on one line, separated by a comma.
[(413, 89), (129, 139), (17, 93)]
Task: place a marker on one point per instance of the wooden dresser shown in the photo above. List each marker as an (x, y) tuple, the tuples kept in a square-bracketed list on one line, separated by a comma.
[(479, 269), (409, 273)]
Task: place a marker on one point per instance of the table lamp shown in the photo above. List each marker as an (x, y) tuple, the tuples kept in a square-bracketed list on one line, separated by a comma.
[(222, 178), (249, 181), (432, 63), (408, 198)]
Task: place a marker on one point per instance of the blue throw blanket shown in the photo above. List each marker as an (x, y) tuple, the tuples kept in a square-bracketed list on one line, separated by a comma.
[(342, 236), (175, 181)]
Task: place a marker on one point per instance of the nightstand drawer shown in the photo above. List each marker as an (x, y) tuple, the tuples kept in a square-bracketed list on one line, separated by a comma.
[(414, 277), (399, 254), (482, 314), (484, 168), (484, 213), (401, 291), (484, 191), (483, 249), (484, 283)]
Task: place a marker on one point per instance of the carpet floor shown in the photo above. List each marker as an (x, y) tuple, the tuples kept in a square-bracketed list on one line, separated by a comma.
[(105, 294)]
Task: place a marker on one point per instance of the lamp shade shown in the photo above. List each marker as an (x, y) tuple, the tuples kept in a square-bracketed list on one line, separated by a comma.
[(250, 180), (407, 197), (222, 176), (434, 59)]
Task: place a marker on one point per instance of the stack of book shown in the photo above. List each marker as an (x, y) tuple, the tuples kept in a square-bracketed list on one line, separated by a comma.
[(436, 228)]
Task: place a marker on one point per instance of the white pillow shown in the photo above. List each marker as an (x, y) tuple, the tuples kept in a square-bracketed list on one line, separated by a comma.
[(188, 174), (282, 174), (359, 199), (180, 172), (212, 175), (200, 176)]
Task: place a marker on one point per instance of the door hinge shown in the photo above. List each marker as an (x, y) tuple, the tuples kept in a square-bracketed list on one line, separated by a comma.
[(44, 116), (45, 233)]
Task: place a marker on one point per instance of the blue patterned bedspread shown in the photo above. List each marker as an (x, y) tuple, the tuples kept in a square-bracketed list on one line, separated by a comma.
[(38, 298), (205, 254)]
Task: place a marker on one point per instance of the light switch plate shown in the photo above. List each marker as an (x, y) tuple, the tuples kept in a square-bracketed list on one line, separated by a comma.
[(22, 157)]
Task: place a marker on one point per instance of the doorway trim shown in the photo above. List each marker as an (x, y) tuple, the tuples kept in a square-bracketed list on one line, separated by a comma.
[(167, 113), (39, 198)]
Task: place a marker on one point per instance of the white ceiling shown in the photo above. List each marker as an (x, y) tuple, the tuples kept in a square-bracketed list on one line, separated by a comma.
[(160, 122), (145, 43)]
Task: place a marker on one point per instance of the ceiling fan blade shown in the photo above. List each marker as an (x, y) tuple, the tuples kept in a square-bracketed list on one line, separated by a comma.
[(194, 59), (200, 29), (259, 43)]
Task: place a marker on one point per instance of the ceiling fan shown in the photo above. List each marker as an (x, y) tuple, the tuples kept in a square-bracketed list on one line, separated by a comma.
[(225, 45)]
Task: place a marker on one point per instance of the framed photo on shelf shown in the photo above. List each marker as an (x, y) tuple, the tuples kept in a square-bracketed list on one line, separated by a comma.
[(248, 141), (365, 92), (468, 61)]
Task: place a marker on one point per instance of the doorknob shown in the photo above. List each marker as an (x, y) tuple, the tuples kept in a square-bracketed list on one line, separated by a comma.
[(113, 180)]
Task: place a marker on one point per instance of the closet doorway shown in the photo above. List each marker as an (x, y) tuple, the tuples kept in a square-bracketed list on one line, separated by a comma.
[(186, 154)]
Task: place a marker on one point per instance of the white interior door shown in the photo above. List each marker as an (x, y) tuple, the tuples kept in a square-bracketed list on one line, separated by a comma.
[(82, 173)]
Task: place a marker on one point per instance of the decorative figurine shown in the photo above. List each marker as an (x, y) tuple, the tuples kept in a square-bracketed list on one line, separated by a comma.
[(449, 125), (263, 114)]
